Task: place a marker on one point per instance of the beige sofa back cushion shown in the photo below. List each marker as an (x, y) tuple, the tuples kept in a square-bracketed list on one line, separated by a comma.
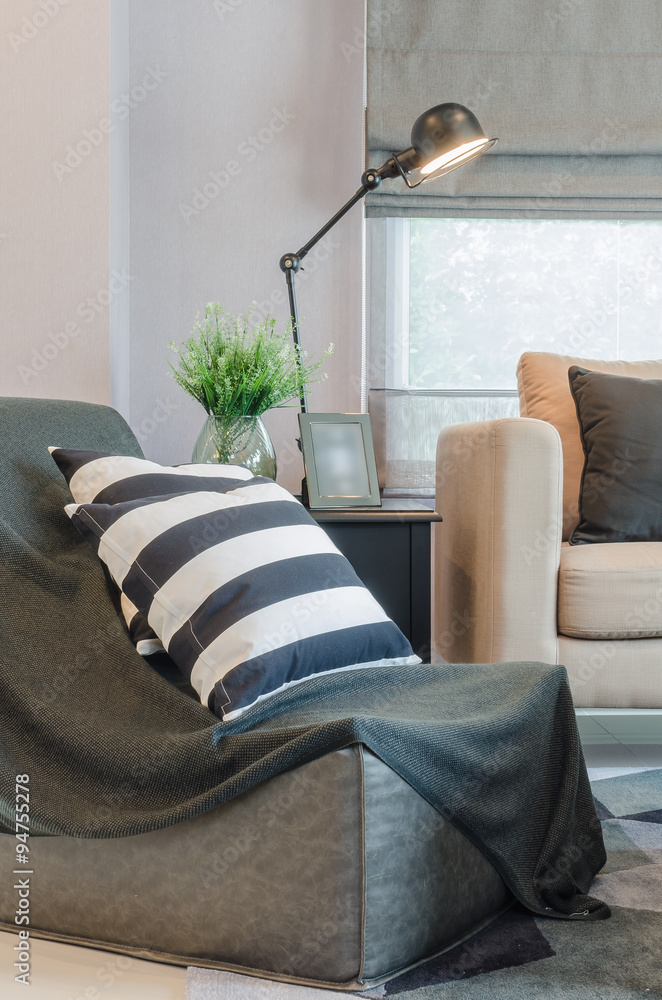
[(544, 393)]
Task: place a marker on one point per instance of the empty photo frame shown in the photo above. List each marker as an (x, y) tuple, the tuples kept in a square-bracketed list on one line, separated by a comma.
[(339, 457)]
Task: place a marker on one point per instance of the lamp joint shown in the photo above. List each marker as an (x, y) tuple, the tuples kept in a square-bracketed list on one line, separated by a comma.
[(290, 262), (371, 179)]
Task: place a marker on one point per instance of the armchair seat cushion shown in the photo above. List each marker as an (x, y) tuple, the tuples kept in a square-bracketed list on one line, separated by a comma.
[(611, 591)]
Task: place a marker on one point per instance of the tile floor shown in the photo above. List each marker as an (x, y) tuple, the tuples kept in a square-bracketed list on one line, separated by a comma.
[(621, 738), (68, 972)]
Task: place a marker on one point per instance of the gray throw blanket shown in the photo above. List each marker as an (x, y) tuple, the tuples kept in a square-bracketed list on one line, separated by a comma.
[(112, 748)]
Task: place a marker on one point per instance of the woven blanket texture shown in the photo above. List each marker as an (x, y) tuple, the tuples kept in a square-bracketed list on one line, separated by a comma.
[(113, 749)]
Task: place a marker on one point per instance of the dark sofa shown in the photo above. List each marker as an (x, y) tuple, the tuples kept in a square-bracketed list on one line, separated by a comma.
[(337, 872)]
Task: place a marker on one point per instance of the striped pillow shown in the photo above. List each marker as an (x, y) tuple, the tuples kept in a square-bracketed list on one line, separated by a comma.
[(246, 592), (99, 477)]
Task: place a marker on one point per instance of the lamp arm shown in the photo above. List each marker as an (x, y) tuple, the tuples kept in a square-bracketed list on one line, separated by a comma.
[(290, 263), (307, 247)]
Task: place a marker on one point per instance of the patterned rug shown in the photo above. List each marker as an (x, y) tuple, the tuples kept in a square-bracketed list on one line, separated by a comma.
[(520, 957)]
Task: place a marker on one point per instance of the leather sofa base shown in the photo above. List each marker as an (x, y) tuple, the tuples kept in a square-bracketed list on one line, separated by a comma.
[(335, 874), (184, 961)]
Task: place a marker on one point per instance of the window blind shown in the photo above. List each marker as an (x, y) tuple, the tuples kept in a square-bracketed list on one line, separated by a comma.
[(572, 89)]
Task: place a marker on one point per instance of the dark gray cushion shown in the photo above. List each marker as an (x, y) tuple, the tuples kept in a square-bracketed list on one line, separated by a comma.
[(620, 420), (337, 873)]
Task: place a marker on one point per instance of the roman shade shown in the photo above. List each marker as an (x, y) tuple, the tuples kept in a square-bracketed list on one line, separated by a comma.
[(572, 89)]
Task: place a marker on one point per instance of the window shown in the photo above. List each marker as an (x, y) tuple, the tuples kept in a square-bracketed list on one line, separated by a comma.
[(454, 302), (482, 291)]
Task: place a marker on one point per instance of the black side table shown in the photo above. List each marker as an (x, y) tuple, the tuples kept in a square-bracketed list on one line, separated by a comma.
[(389, 547)]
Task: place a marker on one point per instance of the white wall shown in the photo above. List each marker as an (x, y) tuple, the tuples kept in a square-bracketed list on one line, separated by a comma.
[(54, 267), (279, 71)]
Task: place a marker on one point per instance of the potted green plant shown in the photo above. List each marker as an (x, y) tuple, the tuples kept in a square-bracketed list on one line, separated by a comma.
[(238, 370)]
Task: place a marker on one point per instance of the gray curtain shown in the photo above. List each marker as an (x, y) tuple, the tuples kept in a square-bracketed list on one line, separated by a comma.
[(572, 89), (406, 425)]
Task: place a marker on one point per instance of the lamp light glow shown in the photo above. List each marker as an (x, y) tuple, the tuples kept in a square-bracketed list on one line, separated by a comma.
[(459, 155)]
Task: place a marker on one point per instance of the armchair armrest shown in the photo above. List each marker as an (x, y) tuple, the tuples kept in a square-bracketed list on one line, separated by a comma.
[(497, 552)]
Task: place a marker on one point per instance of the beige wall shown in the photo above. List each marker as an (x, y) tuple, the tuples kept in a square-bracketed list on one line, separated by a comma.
[(267, 89), (186, 89), (53, 213)]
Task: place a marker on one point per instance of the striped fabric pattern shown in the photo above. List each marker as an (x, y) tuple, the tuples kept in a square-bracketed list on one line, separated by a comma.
[(143, 637), (99, 477), (246, 592)]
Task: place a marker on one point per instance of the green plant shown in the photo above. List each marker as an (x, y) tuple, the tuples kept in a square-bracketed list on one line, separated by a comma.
[(237, 369)]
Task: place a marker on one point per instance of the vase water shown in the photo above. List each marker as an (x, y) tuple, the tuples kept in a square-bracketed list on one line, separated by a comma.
[(236, 440)]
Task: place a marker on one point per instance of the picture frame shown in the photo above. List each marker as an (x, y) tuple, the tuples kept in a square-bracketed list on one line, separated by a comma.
[(339, 459)]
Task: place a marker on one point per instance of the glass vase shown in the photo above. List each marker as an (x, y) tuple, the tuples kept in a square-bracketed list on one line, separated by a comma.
[(233, 440)]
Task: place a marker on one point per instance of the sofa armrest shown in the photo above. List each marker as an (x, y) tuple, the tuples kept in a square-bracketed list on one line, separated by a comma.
[(497, 552)]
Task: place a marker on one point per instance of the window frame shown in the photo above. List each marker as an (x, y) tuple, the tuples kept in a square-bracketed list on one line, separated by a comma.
[(391, 250)]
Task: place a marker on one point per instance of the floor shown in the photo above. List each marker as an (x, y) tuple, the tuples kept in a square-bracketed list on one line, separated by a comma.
[(621, 739), (66, 972)]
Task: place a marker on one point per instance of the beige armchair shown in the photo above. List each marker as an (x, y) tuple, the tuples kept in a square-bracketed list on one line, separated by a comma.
[(507, 584)]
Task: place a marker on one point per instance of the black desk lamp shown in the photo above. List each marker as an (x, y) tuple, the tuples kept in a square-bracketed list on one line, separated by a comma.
[(442, 139)]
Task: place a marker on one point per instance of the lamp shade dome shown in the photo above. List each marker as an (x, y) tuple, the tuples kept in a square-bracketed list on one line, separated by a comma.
[(444, 137)]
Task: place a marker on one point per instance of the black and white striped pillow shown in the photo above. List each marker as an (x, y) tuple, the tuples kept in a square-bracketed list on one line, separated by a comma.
[(99, 477), (246, 592)]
